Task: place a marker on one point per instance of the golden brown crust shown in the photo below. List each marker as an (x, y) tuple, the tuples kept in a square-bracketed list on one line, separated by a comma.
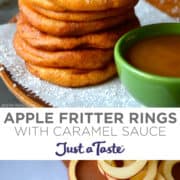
[(168, 6), (73, 77), (62, 28), (91, 5), (82, 16), (102, 40), (79, 59), (46, 4), (46, 28)]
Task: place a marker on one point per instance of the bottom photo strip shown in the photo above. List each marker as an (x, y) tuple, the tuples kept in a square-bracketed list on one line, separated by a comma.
[(90, 170)]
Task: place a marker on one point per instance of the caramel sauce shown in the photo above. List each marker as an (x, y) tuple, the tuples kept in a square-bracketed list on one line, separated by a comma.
[(119, 163), (158, 55), (176, 171), (88, 170)]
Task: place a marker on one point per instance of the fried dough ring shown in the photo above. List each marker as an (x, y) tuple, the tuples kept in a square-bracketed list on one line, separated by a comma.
[(122, 172), (152, 170), (148, 173), (46, 4), (79, 59), (166, 168), (82, 16), (102, 40), (113, 164), (104, 174), (62, 28), (159, 177), (140, 175), (73, 77), (72, 170), (91, 5)]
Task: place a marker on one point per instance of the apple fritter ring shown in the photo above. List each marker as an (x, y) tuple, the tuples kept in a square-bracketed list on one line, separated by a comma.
[(46, 4), (124, 172), (91, 5), (80, 59), (166, 168), (62, 28), (102, 40), (82, 16), (168, 6), (72, 77)]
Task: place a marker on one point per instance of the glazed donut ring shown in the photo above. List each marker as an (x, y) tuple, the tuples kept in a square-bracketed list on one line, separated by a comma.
[(62, 28), (73, 77), (91, 5), (102, 40), (79, 59)]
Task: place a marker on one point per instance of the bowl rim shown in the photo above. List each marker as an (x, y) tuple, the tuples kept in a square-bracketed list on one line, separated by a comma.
[(119, 57)]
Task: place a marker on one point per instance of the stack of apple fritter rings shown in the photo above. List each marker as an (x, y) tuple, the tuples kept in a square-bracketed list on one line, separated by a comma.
[(71, 48)]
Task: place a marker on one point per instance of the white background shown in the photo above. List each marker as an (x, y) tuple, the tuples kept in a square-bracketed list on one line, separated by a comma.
[(44, 148)]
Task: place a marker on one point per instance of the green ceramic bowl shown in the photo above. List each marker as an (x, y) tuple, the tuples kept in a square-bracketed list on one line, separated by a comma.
[(151, 90)]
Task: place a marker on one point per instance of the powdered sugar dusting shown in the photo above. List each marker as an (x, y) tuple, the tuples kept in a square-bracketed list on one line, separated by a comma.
[(110, 94)]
